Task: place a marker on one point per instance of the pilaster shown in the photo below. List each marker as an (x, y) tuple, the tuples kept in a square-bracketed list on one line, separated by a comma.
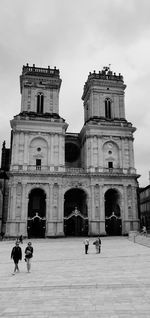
[(25, 149), (102, 212)]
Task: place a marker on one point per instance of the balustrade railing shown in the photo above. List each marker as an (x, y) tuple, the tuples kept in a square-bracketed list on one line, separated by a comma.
[(45, 168)]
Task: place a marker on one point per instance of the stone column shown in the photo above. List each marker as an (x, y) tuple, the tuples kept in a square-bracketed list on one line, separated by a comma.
[(131, 154), (121, 155), (49, 213), (46, 215), (135, 209), (26, 206), (49, 152), (125, 205), (92, 222), (26, 150), (46, 190), (93, 205), (13, 205), (102, 212), (89, 205), (134, 202), (16, 148), (87, 154), (9, 202), (60, 150), (125, 218), (24, 214), (102, 206), (52, 150), (21, 154), (60, 229), (24, 199), (99, 152), (91, 106), (91, 150), (26, 210), (61, 204)]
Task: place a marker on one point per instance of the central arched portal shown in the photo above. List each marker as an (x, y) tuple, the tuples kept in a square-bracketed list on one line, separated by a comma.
[(75, 213), (113, 222), (36, 213)]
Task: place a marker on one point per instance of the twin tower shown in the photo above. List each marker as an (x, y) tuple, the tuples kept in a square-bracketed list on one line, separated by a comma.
[(71, 184)]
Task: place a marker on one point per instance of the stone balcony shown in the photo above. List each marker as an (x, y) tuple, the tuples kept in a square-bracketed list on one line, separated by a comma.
[(33, 70), (70, 170)]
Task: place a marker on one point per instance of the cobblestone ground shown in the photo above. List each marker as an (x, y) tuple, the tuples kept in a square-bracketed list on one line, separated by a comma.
[(66, 283)]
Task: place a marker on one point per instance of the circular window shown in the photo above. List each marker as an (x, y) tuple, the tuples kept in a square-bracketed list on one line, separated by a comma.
[(38, 149), (110, 152)]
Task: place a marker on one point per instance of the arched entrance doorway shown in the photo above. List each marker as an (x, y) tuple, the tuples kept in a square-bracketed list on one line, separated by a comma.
[(75, 213), (36, 213), (113, 223)]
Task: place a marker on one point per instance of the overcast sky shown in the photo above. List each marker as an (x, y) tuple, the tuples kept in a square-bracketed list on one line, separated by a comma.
[(79, 36)]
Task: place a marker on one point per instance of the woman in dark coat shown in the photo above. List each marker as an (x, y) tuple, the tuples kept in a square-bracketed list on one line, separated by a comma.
[(16, 255)]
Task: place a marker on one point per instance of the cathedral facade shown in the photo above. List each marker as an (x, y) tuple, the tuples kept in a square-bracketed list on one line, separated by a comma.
[(71, 184)]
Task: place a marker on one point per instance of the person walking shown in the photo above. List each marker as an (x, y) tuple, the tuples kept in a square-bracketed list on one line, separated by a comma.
[(144, 231), (2, 235), (97, 244), (21, 239), (86, 244), (16, 255), (28, 256)]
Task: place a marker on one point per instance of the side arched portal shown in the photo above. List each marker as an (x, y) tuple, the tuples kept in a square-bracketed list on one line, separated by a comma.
[(75, 213), (113, 222), (36, 213)]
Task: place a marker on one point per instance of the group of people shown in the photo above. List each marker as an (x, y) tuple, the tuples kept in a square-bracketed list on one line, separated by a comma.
[(97, 244), (16, 255)]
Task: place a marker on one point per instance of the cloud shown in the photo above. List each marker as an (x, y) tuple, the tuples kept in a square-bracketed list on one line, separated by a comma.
[(78, 37), (121, 22)]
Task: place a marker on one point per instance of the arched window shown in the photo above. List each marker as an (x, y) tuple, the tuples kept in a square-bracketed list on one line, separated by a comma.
[(108, 108), (40, 103)]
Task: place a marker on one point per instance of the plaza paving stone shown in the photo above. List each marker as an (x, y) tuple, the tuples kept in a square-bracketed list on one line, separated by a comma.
[(66, 283)]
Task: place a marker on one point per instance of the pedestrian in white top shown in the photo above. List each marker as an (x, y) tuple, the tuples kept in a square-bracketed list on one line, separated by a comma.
[(86, 244)]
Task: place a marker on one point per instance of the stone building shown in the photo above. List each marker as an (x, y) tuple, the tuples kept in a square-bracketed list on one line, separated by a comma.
[(4, 189), (144, 201), (63, 183)]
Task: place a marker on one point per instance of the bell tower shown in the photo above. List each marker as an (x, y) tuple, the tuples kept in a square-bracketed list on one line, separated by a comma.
[(103, 96), (38, 130), (107, 153), (38, 151), (39, 89), (107, 136)]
